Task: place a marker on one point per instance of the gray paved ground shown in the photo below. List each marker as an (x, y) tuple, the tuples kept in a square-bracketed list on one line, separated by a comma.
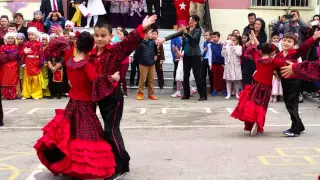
[(195, 141)]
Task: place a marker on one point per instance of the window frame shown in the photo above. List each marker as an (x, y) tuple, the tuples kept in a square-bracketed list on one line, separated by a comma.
[(309, 7)]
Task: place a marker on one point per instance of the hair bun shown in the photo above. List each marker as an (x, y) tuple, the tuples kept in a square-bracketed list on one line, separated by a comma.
[(85, 42)]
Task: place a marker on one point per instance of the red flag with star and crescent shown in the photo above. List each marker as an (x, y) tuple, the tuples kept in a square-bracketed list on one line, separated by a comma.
[(182, 11)]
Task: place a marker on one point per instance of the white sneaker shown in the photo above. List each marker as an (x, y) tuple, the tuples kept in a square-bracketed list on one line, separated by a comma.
[(227, 97), (23, 98), (125, 96), (237, 96), (36, 98), (254, 129), (177, 94)]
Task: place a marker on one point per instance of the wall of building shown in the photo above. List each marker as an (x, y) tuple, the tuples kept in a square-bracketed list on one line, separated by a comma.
[(26, 7), (227, 15)]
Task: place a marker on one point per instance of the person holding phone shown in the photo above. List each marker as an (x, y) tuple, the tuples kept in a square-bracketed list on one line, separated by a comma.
[(295, 26)]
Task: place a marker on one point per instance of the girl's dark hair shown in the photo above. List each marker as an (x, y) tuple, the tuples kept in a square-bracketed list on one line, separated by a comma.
[(17, 15), (239, 39), (5, 17), (196, 18), (85, 42), (104, 25), (125, 32), (275, 33), (262, 32), (290, 35), (247, 35), (235, 30), (266, 48), (55, 12)]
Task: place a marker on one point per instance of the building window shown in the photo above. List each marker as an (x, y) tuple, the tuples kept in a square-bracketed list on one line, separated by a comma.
[(281, 3)]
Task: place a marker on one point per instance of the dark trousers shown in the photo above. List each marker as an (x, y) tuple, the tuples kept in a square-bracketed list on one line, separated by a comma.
[(291, 92), (1, 110), (159, 71), (205, 70), (56, 88), (193, 62), (111, 109), (156, 5), (175, 72), (248, 69), (134, 68)]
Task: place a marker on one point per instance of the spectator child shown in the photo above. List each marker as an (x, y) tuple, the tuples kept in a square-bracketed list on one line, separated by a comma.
[(216, 62), (232, 51), (276, 81), (179, 75), (206, 51), (160, 59), (9, 71), (124, 65), (37, 21), (20, 39), (54, 21), (32, 78), (45, 38), (146, 56)]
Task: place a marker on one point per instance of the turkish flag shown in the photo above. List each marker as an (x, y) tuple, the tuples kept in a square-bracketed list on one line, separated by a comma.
[(182, 11)]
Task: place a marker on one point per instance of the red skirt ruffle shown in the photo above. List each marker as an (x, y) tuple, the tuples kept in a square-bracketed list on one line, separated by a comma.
[(253, 105), (76, 158)]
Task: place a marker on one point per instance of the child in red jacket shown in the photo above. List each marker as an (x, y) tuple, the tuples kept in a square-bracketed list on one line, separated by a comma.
[(291, 86)]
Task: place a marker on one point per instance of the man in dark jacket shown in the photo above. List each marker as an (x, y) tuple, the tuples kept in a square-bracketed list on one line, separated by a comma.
[(48, 6), (252, 19)]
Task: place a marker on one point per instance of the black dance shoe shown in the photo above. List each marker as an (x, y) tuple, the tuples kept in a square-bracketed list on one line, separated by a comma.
[(202, 99)]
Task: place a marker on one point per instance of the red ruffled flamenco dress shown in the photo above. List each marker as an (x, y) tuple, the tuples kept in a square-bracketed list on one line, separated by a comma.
[(73, 143), (253, 105), (254, 99)]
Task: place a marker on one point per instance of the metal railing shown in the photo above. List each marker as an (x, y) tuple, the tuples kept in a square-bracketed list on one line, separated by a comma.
[(281, 3)]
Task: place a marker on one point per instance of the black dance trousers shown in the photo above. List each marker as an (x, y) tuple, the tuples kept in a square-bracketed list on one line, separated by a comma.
[(193, 62), (111, 109), (248, 69), (291, 92)]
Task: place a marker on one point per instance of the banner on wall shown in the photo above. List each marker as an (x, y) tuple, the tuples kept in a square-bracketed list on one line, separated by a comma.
[(182, 11)]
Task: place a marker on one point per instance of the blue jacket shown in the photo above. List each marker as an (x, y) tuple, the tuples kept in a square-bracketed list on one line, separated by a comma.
[(216, 57), (178, 43), (205, 45), (146, 52), (48, 23)]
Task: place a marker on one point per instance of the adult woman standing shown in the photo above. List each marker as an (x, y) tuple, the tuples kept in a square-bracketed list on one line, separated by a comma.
[(249, 66), (4, 24), (192, 55)]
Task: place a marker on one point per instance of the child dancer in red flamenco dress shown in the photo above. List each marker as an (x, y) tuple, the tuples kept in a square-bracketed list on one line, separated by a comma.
[(254, 99), (9, 71), (72, 143)]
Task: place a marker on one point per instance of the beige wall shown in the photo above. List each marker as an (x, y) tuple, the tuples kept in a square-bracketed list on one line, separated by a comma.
[(226, 20), (27, 11)]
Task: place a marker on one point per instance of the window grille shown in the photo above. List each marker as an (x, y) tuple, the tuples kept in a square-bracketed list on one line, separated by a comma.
[(281, 3)]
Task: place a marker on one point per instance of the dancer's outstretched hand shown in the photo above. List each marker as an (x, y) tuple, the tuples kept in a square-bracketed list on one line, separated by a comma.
[(116, 76), (148, 21), (287, 71), (160, 41)]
